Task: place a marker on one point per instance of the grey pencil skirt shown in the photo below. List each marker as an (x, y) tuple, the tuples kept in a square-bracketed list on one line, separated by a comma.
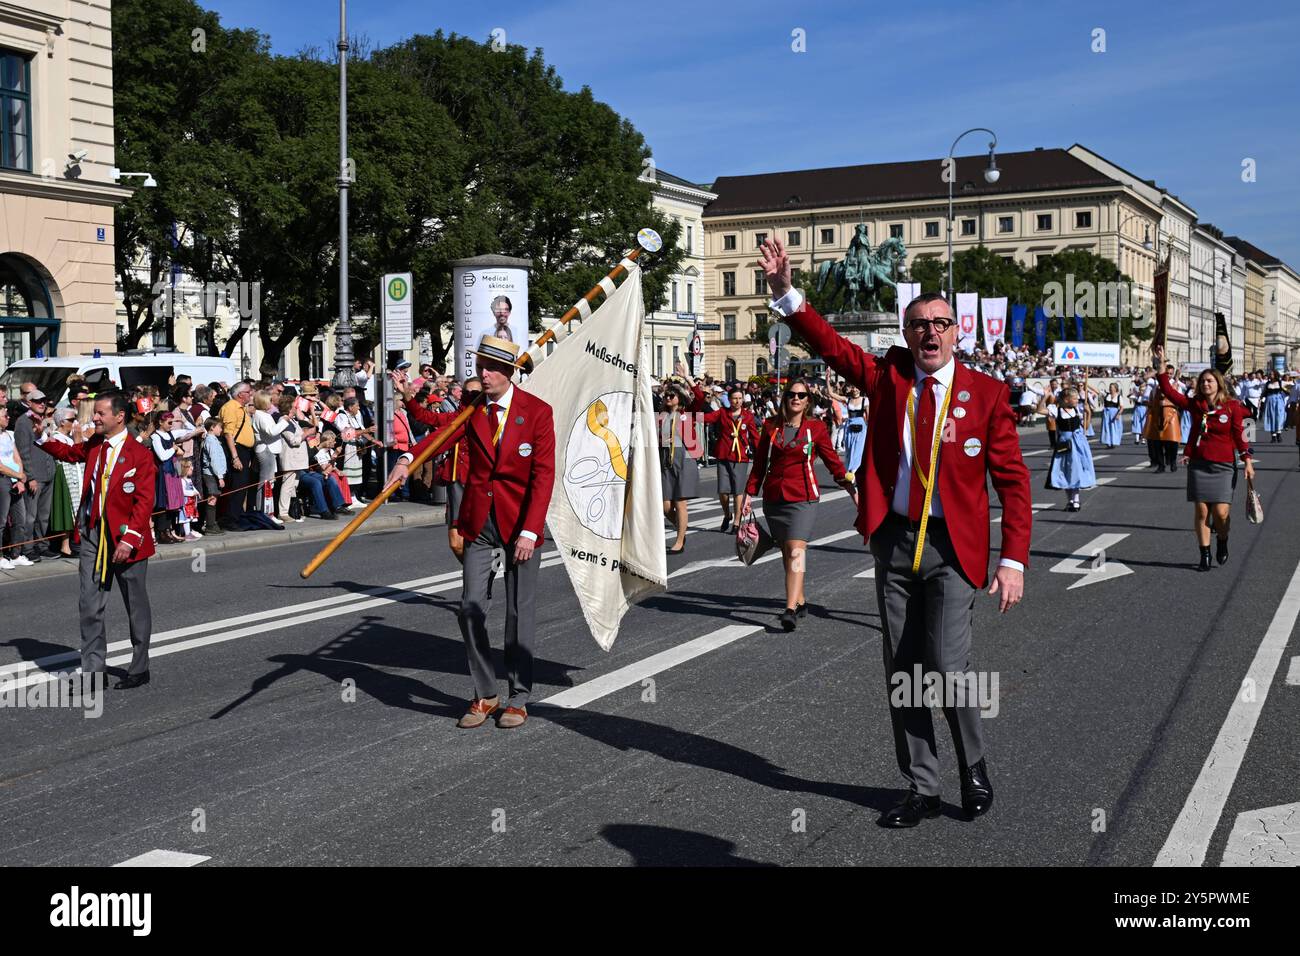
[(682, 480), (789, 520), (1213, 482), (732, 476)]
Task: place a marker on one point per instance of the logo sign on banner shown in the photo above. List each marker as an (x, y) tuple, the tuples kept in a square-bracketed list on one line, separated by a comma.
[(967, 327), (995, 321), (490, 299), (398, 312), (1085, 353)]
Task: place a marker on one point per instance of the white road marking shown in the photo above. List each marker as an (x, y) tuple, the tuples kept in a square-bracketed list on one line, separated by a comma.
[(1039, 451), (1268, 837), (1190, 837), (1293, 673), (1099, 457), (869, 573), (1081, 562), (1140, 467), (1106, 481), (164, 858), (607, 684)]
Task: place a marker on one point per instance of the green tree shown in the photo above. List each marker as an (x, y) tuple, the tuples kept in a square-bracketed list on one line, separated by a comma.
[(1100, 295)]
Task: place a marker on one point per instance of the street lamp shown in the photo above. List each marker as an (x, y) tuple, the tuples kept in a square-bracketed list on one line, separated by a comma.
[(149, 181), (991, 175), (343, 375)]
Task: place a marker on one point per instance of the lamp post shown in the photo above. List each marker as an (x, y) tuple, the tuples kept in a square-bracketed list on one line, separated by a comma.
[(1212, 338), (343, 375), (991, 174), (1146, 244)]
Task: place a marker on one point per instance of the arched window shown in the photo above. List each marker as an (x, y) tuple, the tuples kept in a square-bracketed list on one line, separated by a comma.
[(27, 321)]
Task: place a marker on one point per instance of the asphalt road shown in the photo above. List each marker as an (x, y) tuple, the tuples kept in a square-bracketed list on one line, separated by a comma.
[(294, 722)]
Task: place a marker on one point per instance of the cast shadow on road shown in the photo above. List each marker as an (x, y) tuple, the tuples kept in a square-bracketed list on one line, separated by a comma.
[(695, 750), (764, 611), (668, 846), (370, 651), (31, 650), (1039, 519)]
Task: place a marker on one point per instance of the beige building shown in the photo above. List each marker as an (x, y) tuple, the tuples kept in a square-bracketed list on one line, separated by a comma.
[(1045, 201), (1279, 297), (670, 327), (57, 190)]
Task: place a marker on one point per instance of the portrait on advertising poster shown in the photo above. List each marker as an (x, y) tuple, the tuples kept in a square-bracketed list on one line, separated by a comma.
[(488, 301), (501, 308)]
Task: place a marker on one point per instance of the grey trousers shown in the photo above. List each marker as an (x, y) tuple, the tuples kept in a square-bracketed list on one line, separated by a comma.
[(131, 581), (927, 621), (521, 609), (11, 503), (36, 518)]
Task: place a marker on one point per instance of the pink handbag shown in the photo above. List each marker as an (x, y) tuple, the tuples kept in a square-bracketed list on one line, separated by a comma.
[(752, 540)]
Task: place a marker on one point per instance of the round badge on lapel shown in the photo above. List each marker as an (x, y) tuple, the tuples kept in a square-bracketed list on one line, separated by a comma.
[(963, 396), (972, 447), (959, 412), (1223, 418), (525, 450), (519, 421), (128, 487)]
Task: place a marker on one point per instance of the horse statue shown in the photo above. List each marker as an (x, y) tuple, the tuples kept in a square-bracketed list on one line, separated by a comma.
[(862, 273)]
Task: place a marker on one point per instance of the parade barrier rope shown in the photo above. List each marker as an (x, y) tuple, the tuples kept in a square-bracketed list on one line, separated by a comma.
[(605, 287)]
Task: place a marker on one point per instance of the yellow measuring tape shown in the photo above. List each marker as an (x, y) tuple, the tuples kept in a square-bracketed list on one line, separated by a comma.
[(501, 426), (927, 481), (101, 552)]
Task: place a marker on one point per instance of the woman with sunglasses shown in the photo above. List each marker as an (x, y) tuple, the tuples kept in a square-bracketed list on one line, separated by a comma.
[(783, 468), (680, 444), (1218, 436)]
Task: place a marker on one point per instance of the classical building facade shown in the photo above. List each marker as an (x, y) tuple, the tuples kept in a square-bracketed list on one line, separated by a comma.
[(671, 326), (57, 190), (1253, 309), (1045, 201), (1213, 270), (1280, 302)]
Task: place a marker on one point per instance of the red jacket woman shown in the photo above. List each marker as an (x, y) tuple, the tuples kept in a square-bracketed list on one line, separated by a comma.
[(785, 470), (736, 435), (1218, 431)]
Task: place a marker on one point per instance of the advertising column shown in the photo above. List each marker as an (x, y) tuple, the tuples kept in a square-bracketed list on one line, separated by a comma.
[(490, 295)]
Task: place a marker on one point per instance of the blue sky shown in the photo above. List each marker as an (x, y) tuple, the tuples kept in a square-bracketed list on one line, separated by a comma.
[(1183, 92)]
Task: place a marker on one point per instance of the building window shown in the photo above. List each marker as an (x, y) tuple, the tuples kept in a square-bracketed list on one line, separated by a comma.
[(729, 327), (1005, 224), (968, 227), (795, 274), (896, 231), (15, 112), (673, 307), (932, 229), (728, 283), (659, 361), (677, 355), (792, 238), (158, 337), (316, 360), (828, 237), (760, 282), (690, 297), (1044, 221), (729, 370), (728, 242), (759, 239), (760, 367), (203, 344), (690, 239), (1083, 220)]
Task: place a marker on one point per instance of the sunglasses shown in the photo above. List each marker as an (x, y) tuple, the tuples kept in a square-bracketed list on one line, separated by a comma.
[(803, 395)]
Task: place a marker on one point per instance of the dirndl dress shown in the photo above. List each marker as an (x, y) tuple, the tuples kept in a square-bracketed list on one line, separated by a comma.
[(1139, 417), (62, 516), (1112, 425), (1274, 417), (168, 493), (1072, 469), (855, 439)]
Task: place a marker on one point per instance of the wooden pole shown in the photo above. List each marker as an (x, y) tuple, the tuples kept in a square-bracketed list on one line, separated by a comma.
[(604, 287)]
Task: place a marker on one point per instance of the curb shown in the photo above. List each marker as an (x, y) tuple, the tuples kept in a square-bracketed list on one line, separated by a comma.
[(312, 529)]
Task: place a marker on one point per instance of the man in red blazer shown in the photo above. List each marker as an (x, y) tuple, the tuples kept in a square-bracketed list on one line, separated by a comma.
[(117, 496), (511, 438), (938, 433)]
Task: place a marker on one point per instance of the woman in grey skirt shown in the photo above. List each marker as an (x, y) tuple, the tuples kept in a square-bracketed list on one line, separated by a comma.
[(681, 440), (1217, 436), (783, 468)]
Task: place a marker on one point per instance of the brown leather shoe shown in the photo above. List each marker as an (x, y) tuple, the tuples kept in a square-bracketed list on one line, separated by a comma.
[(512, 717), (479, 711)]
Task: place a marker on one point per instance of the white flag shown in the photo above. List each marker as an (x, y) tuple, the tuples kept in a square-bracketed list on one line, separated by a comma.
[(967, 328), (907, 291), (995, 320), (606, 513)]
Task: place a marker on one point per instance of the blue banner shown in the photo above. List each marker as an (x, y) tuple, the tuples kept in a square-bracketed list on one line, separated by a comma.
[(1062, 335), (1018, 325), (1040, 329), (1078, 327)]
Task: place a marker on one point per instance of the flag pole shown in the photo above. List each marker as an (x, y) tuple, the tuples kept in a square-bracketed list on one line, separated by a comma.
[(605, 287)]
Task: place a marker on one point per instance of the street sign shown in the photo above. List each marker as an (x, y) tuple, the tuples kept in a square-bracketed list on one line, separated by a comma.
[(708, 326), (781, 357), (771, 347), (779, 331), (398, 312)]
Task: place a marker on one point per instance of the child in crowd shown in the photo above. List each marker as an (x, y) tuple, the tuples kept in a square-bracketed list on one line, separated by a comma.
[(212, 473), (325, 462), (190, 510)]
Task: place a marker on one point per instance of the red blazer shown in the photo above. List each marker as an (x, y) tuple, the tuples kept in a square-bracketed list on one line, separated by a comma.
[(988, 429), (1217, 434), (786, 471), (456, 463), (514, 479), (729, 430), (128, 512)]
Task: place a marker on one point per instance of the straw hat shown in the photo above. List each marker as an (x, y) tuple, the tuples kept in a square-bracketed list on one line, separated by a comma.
[(502, 350)]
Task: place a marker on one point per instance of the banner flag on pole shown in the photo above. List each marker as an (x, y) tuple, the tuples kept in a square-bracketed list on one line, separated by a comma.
[(606, 513), (1161, 283), (1040, 329), (907, 291), (1018, 325), (994, 312), (967, 325)]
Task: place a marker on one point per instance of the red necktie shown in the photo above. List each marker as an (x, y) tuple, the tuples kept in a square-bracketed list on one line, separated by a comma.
[(921, 444)]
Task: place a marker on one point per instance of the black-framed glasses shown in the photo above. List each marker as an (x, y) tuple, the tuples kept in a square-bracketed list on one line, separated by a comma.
[(803, 395), (940, 325)]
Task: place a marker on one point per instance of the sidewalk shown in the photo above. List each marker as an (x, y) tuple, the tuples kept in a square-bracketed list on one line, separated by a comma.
[(390, 517)]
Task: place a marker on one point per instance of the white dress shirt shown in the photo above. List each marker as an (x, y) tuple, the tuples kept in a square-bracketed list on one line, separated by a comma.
[(790, 303)]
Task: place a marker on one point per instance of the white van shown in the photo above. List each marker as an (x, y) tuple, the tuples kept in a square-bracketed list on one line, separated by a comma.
[(136, 367)]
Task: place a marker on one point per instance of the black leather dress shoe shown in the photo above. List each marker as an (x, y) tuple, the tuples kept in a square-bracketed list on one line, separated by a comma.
[(911, 811), (788, 619), (976, 791), (132, 680), (801, 610)]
